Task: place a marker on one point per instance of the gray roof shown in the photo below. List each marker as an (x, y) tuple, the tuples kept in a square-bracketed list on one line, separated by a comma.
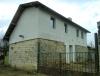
[(36, 4)]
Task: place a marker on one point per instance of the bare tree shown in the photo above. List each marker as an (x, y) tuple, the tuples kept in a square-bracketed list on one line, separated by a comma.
[(3, 46), (1, 40), (91, 44)]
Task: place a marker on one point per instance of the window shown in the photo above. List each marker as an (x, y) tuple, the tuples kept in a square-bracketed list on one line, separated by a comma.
[(77, 33), (82, 35), (52, 22), (66, 27)]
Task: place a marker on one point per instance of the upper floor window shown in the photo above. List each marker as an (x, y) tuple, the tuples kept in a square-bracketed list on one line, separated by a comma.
[(77, 33), (66, 27), (52, 22), (82, 35)]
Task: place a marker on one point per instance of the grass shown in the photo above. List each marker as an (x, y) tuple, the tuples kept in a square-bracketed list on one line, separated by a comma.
[(6, 60), (8, 71)]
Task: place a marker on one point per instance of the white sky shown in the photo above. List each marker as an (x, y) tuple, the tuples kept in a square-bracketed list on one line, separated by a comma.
[(83, 12)]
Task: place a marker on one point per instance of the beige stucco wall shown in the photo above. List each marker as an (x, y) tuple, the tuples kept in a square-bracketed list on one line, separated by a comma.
[(23, 55)]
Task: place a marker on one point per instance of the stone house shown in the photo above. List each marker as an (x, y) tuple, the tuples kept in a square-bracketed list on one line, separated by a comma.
[(36, 28)]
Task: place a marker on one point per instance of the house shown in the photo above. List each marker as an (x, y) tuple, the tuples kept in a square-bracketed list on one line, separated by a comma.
[(36, 28)]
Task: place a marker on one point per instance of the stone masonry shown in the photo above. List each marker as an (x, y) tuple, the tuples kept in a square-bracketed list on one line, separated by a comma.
[(81, 53), (79, 48), (24, 54), (50, 46)]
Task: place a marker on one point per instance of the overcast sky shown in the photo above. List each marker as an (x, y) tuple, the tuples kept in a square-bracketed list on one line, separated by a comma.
[(84, 12)]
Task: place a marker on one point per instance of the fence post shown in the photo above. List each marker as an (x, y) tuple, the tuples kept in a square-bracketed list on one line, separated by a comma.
[(38, 56), (60, 64), (96, 54)]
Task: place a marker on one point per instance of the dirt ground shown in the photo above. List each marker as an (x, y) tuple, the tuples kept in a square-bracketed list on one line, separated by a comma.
[(8, 71)]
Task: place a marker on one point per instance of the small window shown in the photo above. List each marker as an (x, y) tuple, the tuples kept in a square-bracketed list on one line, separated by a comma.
[(77, 33), (82, 35), (52, 22), (66, 27)]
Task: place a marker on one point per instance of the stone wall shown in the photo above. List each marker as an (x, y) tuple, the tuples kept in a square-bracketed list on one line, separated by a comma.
[(79, 48), (50, 46), (23, 54), (52, 51), (81, 54)]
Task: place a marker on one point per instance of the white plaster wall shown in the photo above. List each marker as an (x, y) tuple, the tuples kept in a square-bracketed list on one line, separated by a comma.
[(35, 23), (69, 38), (46, 31), (26, 26)]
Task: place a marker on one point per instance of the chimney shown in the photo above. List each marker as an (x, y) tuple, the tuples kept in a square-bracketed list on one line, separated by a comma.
[(70, 18)]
